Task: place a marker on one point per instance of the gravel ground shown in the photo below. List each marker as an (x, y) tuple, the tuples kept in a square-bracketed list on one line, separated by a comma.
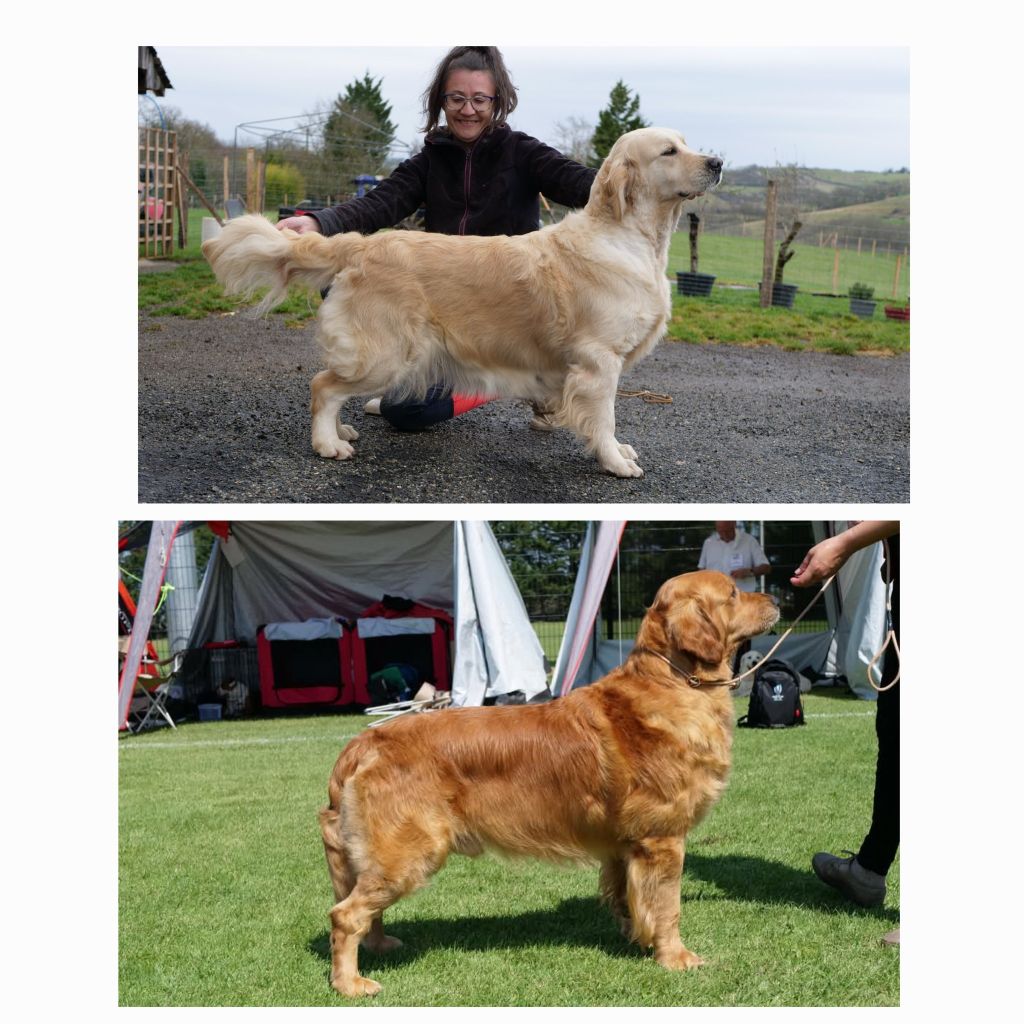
[(224, 417)]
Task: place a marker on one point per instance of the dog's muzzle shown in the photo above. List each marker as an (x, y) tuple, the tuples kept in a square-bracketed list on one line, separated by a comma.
[(714, 166), (712, 177)]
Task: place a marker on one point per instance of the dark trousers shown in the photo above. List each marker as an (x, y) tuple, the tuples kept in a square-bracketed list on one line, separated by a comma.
[(435, 407), (878, 850)]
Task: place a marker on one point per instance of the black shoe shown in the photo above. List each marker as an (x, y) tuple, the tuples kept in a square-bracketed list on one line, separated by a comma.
[(853, 880)]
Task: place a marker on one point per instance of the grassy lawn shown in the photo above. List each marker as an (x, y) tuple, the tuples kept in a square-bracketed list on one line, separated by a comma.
[(224, 891), (813, 324), (738, 261), (729, 315)]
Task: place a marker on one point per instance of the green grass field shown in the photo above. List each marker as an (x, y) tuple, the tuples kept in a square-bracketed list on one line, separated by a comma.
[(224, 892), (736, 260)]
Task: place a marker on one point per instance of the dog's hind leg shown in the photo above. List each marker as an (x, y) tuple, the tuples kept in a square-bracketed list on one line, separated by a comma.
[(612, 886), (351, 920), (588, 409), (331, 438), (652, 881), (356, 920)]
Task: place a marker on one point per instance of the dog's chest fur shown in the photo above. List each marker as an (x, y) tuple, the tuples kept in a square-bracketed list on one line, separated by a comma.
[(672, 759)]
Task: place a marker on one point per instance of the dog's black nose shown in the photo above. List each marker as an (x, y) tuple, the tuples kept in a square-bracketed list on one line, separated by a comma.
[(714, 164)]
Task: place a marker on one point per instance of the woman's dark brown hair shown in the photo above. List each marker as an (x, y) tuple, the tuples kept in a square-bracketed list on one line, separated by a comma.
[(471, 58)]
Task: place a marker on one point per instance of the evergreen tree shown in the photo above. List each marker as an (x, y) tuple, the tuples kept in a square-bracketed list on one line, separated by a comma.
[(358, 130), (620, 116)]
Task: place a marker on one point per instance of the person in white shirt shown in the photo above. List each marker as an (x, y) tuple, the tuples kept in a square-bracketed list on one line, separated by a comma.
[(735, 553)]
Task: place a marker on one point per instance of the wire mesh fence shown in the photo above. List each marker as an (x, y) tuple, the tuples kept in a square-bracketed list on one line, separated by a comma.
[(544, 558)]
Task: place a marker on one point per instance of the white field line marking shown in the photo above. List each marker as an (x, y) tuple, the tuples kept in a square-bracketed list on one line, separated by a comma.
[(255, 742), (842, 714)]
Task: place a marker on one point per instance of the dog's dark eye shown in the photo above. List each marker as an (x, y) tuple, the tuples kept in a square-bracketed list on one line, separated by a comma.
[(671, 151)]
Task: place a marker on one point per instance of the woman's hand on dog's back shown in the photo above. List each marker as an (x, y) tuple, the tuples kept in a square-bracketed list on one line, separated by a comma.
[(303, 225)]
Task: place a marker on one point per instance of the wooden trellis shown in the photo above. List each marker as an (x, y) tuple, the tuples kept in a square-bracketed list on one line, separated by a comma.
[(157, 191)]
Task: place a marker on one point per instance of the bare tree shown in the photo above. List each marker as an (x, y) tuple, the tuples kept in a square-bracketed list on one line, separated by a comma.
[(788, 178), (574, 138)]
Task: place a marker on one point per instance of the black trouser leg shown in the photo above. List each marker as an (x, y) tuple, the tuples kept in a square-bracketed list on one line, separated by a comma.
[(878, 850), (436, 407)]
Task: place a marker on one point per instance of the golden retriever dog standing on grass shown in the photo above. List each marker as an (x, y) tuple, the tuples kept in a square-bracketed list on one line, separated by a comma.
[(553, 316), (616, 772)]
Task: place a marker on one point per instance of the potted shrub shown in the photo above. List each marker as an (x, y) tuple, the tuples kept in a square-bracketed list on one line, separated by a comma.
[(689, 282), (861, 302)]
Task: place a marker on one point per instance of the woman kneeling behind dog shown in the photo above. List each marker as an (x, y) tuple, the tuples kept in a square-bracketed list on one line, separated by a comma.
[(474, 176)]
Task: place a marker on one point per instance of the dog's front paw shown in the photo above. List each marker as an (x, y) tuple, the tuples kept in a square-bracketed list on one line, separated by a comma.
[(347, 432), (333, 448), (622, 467), (357, 986), (678, 959), (627, 452)]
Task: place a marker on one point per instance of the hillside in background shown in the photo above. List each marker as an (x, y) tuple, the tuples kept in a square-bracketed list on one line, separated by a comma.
[(862, 207)]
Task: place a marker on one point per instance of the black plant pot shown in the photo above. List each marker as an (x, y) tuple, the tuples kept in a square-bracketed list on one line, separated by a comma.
[(689, 283), (783, 295), (864, 308)]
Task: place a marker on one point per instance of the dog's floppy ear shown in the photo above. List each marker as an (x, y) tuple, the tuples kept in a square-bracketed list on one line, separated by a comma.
[(615, 185), (691, 630)]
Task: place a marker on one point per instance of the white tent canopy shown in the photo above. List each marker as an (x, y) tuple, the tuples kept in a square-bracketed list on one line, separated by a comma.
[(296, 571), (855, 606)]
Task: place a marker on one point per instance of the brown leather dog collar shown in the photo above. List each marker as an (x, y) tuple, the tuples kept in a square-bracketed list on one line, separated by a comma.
[(691, 679)]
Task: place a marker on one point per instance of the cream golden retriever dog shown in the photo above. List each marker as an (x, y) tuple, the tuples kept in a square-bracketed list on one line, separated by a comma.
[(617, 772), (554, 316)]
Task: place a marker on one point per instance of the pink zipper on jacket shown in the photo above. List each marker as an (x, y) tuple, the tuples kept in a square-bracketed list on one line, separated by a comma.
[(467, 177)]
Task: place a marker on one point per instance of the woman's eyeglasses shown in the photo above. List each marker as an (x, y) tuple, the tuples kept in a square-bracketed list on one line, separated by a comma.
[(456, 101)]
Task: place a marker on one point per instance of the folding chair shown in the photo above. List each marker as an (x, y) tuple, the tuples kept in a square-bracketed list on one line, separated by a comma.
[(234, 208), (149, 705)]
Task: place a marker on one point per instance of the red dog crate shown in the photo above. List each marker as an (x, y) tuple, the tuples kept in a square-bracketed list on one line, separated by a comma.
[(306, 663), (414, 635)]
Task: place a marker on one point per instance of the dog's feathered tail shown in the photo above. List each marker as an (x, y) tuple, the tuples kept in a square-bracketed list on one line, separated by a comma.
[(332, 819), (250, 253)]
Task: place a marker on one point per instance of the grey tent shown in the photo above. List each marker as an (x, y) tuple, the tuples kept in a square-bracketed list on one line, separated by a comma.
[(855, 608), (273, 572)]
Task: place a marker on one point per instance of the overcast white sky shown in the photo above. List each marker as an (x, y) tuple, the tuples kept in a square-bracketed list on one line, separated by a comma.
[(821, 106)]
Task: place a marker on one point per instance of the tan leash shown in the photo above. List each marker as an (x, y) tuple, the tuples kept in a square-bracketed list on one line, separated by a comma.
[(890, 638), (890, 633), (733, 683), (647, 396)]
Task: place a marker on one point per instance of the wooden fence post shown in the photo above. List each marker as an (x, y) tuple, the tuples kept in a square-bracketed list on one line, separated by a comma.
[(835, 272), (250, 180), (768, 264), (896, 276), (694, 229), (261, 187), (227, 185), (184, 163)]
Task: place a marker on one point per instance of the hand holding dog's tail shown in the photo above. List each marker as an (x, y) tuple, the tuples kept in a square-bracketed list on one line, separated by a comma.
[(250, 253)]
